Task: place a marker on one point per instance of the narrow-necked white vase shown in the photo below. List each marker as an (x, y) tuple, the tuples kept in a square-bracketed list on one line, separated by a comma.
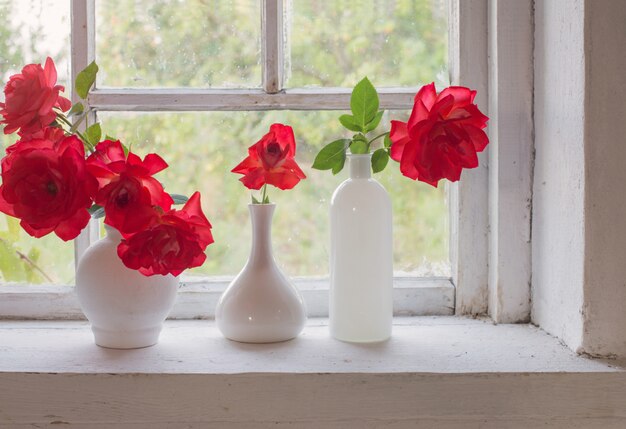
[(126, 309), (361, 258), (261, 305)]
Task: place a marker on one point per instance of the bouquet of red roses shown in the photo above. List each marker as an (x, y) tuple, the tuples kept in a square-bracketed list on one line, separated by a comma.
[(55, 177)]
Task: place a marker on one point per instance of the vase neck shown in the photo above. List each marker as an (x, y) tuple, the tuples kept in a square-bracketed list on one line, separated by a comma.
[(261, 217), (112, 233), (360, 166)]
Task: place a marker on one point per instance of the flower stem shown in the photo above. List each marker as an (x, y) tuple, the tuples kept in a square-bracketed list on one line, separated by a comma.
[(28, 261), (377, 137), (264, 194), (81, 135), (74, 127)]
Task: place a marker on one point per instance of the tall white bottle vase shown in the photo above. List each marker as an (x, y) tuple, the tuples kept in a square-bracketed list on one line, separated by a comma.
[(361, 258), (261, 305)]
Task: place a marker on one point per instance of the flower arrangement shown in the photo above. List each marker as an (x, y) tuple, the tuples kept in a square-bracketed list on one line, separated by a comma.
[(55, 178), (443, 135), (271, 161)]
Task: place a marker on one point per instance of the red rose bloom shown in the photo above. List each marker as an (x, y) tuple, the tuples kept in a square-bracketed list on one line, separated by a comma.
[(53, 134), (271, 161), (30, 97), (47, 186), (174, 241), (442, 136), (127, 190)]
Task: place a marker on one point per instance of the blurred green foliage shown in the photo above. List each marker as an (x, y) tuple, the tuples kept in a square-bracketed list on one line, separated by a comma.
[(205, 43)]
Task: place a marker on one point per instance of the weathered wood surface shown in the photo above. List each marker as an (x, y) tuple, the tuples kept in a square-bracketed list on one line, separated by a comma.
[(442, 372), (197, 298)]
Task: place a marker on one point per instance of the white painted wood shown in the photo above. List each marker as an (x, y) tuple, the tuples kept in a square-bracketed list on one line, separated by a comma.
[(82, 53), (197, 298), (558, 224), (467, 401), (469, 197), (511, 158), (181, 99), (272, 44), (441, 345), (434, 372), (604, 310)]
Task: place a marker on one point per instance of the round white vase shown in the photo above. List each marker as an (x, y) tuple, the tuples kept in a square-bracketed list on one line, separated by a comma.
[(361, 258), (261, 305), (126, 309)]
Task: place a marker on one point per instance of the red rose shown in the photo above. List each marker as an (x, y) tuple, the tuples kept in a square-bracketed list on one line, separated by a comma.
[(442, 136), (53, 134), (127, 190), (271, 161), (174, 241), (47, 186), (30, 97)]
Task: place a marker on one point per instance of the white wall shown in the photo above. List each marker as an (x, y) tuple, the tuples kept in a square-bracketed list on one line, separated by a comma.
[(579, 200), (558, 190), (604, 313)]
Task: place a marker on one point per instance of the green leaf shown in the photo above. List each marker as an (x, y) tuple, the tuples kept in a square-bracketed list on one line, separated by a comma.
[(93, 133), (179, 199), (349, 122), (339, 166), (108, 137), (358, 147), (85, 80), (96, 211), (387, 141), (266, 200), (32, 275), (11, 266), (364, 102), (254, 200), (374, 122), (380, 158), (76, 109), (332, 156), (14, 229)]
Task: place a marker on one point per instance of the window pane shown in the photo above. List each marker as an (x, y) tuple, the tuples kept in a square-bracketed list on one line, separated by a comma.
[(30, 31), (178, 43), (394, 43), (202, 148)]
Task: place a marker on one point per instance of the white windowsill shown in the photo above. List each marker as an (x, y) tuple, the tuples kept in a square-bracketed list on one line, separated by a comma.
[(197, 298), (433, 369)]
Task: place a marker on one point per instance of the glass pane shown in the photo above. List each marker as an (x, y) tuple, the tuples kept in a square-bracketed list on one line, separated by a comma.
[(210, 144), (178, 43), (394, 43), (30, 31)]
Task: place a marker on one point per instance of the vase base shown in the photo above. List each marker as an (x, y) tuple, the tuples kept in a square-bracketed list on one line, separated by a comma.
[(135, 339), (361, 341)]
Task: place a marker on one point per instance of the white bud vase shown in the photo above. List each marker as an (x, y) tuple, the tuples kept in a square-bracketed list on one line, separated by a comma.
[(261, 305), (361, 259), (126, 309)]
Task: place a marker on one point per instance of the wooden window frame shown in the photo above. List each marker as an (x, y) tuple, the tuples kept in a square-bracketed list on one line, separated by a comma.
[(465, 292)]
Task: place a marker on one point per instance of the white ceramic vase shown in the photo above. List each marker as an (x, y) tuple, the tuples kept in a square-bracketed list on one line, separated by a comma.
[(361, 258), (261, 305), (126, 309)]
